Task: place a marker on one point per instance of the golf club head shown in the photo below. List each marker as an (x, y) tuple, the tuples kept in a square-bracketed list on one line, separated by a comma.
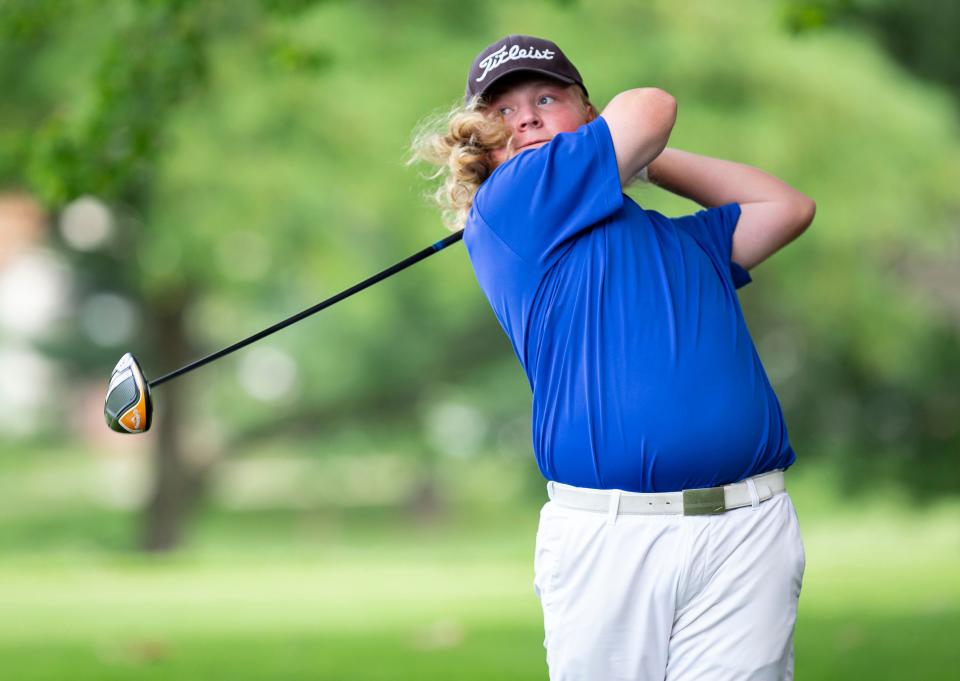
[(128, 408)]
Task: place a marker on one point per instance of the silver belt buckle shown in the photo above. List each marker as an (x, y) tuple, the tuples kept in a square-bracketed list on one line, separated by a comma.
[(708, 501)]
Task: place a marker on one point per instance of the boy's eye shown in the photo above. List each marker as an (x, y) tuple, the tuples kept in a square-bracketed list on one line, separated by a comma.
[(504, 110), (545, 99)]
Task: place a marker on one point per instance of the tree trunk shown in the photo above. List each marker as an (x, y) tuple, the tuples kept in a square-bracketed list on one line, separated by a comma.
[(170, 498)]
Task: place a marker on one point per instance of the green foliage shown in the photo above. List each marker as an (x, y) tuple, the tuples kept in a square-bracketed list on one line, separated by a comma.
[(110, 147), (31, 21), (914, 32), (253, 153)]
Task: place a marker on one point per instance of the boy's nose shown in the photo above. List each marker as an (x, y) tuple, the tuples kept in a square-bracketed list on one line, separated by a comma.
[(528, 118)]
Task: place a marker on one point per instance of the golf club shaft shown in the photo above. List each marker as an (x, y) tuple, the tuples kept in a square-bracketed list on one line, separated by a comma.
[(390, 271)]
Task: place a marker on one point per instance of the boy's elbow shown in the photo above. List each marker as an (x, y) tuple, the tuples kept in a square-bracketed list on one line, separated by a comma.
[(652, 104), (796, 214), (658, 95), (807, 210), (663, 104)]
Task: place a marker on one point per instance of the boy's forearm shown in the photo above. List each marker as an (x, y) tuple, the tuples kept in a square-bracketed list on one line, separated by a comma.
[(715, 182)]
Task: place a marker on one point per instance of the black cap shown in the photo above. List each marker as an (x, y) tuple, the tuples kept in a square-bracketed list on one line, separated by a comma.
[(519, 53)]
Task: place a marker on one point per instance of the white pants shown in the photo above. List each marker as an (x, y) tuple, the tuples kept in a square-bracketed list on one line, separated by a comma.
[(666, 597)]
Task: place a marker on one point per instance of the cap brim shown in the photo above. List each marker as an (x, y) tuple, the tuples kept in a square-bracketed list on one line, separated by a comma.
[(523, 69)]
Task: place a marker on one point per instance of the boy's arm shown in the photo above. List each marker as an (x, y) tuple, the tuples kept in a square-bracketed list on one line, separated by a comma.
[(772, 213)]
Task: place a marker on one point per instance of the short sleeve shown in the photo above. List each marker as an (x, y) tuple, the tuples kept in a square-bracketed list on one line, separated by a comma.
[(713, 229), (541, 198)]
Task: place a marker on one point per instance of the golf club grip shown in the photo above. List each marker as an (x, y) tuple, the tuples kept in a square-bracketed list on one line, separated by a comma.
[(390, 271)]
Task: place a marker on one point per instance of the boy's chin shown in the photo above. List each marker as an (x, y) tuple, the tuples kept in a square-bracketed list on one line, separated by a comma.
[(499, 156)]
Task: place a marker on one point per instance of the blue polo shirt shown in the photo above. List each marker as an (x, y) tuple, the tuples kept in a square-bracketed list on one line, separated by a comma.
[(626, 322)]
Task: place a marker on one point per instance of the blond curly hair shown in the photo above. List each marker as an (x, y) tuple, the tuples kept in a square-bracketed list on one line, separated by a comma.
[(458, 142)]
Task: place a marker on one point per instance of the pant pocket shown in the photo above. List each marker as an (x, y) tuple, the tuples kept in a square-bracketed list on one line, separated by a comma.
[(799, 552), (548, 551)]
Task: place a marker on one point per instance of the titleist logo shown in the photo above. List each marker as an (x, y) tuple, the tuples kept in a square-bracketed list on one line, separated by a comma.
[(492, 61)]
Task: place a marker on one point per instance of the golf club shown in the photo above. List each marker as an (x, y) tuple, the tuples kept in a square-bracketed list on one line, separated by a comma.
[(128, 407)]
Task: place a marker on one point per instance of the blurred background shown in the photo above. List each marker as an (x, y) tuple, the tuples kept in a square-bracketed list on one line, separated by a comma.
[(356, 497)]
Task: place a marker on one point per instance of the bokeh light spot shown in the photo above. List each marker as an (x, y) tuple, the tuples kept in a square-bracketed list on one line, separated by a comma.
[(33, 293), (108, 319), (267, 373), (86, 223)]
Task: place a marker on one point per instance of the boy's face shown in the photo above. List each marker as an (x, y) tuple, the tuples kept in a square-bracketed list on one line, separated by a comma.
[(535, 110)]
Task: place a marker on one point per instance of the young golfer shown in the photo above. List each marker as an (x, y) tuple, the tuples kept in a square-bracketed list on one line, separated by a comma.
[(669, 548)]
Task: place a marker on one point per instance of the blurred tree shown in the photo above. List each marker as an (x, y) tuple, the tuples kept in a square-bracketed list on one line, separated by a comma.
[(919, 34), (103, 92), (253, 155), (920, 416), (151, 57)]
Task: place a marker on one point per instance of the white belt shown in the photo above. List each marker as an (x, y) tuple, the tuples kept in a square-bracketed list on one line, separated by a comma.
[(707, 501)]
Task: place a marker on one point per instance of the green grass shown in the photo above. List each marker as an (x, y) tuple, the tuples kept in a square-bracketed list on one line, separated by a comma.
[(503, 652), (368, 594), (853, 647), (422, 606), (889, 648)]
